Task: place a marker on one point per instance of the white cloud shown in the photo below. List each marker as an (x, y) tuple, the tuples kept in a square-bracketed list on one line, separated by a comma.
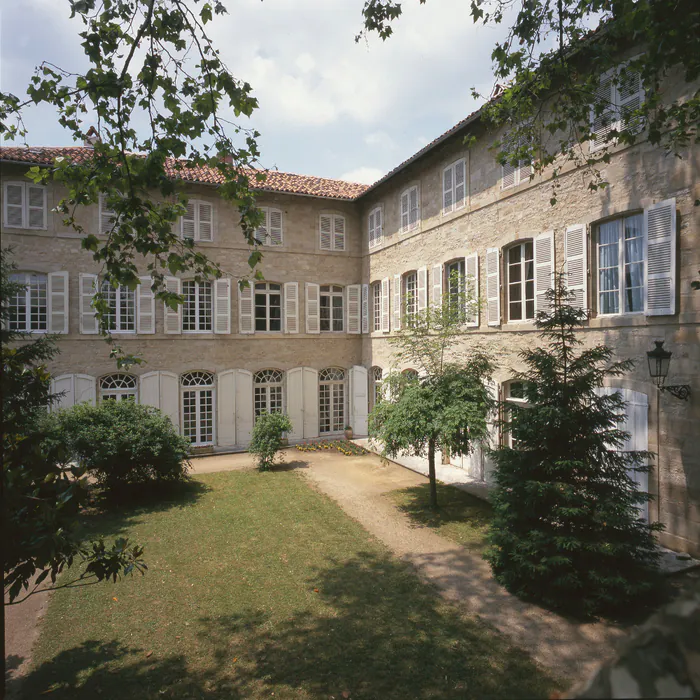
[(367, 176)]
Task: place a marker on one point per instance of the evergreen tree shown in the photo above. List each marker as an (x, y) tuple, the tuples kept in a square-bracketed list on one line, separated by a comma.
[(567, 530)]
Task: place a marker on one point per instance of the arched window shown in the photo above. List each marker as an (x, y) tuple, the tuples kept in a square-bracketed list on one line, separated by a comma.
[(376, 375), (268, 391), (331, 400), (514, 395), (520, 281), (118, 387), (411, 375), (198, 407)]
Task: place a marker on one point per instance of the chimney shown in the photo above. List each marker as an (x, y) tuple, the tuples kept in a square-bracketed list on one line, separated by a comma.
[(91, 138)]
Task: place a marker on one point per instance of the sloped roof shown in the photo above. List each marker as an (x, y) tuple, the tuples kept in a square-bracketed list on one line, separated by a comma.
[(288, 183)]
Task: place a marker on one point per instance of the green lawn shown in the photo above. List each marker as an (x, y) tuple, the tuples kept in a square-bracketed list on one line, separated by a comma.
[(258, 586), (461, 517)]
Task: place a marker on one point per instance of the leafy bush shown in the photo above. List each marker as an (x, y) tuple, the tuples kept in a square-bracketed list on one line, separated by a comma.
[(120, 442), (267, 438)]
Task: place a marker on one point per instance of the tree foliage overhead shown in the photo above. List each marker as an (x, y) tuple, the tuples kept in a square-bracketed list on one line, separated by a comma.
[(567, 530), (548, 67), (162, 102)]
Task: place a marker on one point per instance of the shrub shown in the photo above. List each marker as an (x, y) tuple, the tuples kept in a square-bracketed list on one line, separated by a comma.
[(121, 442), (267, 438)]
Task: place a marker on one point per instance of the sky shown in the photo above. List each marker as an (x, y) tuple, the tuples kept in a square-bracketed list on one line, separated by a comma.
[(329, 107)]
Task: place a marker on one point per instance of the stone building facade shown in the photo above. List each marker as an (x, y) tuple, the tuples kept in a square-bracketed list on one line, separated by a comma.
[(340, 261)]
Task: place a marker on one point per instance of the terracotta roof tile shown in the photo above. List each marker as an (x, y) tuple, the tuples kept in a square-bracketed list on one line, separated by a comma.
[(288, 183)]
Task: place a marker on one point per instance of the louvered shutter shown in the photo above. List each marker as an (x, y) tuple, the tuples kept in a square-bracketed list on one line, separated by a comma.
[(260, 234), (365, 308), (397, 302), (460, 177), (660, 228), (378, 225), (222, 306), (206, 221), (507, 175), (371, 229), (172, 317), (471, 271), (576, 256), (493, 287), (58, 302), (524, 171), (414, 205), (36, 206), (422, 288), (437, 286), (354, 292), (338, 233), (246, 325), (404, 211), (275, 230), (313, 321), (544, 269), (14, 204), (447, 191), (107, 216), (385, 305), (291, 307), (88, 321), (602, 124), (326, 225), (189, 221), (630, 97), (146, 307)]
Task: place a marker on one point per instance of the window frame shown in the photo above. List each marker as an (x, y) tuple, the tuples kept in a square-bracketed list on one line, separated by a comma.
[(267, 242), (121, 392), (28, 300), (118, 291), (331, 382), (454, 206), (417, 224), (197, 312), (198, 389), (258, 387), (332, 248), (378, 238), (332, 293), (197, 238), (25, 205), (507, 435), (522, 244), (376, 288), (409, 314), (268, 293)]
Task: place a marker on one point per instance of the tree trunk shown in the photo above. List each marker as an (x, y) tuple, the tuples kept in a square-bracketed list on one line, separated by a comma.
[(431, 473)]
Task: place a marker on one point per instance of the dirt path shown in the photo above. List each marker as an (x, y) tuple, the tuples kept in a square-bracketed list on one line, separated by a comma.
[(570, 649)]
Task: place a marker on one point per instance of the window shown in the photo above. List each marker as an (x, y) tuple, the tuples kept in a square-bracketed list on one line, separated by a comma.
[(122, 308), (25, 205), (514, 393), (621, 265), (410, 375), (29, 307), (331, 308), (520, 274), (197, 306), (198, 407), (455, 277), (620, 92), (268, 391), (332, 232), (268, 306), (410, 295), (270, 233), (410, 209), (375, 227), (453, 187), (197, 223), (118, 387), (377, 306), (331, 400), (376, 375), (512, 175)]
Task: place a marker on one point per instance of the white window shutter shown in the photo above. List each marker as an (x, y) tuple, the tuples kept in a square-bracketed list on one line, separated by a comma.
[(14, 204), (260, 234), (414, 213), (493, 286), (65, 386), (246, 308), (149, 389), (326, 225), (630, 97), (507, 175), (378, 224), (357, 377), (447, 189), (205, 221), (524, 171), (275, 230), (338, 233), (85, 389), (397, 302), (36, 206), (371, 229), (460, 178), (313, 319), (172, 317), (660, 228), (291, 307), (576, 263), (188, 222), (602, 124), (354, 293), (471, 272), (404, 212), (544, 269), (106, 217), (365, 308), (88, 320), (145, 307), (169, 390), (385, 305), (437, 286), (226, 407), (222, 306), (58, 302), (422, 288)]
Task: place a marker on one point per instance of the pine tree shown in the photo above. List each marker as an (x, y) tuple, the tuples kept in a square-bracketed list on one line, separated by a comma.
[(567, 530)]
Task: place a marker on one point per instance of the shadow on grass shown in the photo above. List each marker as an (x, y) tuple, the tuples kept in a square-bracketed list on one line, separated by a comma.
[(291, 465), (373, 632)]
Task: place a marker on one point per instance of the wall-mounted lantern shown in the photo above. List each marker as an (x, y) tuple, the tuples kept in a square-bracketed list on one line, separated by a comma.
[(659, 362)]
